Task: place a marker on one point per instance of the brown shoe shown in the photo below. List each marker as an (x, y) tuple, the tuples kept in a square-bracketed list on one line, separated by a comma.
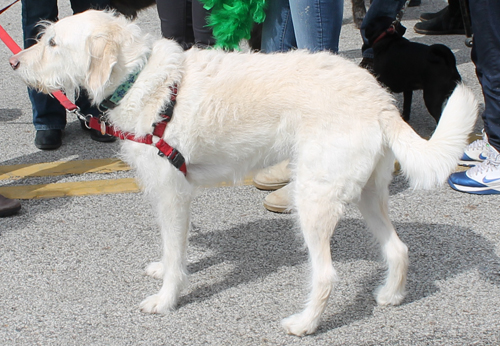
[(8, 206), (279, 201), (273, 178)]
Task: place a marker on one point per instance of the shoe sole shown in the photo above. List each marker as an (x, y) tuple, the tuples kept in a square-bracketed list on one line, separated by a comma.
[(468, 163), (98, 137), (48, 147), (474, 190), (103, 139), (269, 186), (277, 208), (430, 32)]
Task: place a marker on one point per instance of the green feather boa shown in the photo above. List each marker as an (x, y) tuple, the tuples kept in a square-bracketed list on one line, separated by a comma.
[(232, 20)]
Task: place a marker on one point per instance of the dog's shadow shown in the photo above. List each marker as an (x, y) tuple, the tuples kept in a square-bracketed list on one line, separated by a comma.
[(257, 249)]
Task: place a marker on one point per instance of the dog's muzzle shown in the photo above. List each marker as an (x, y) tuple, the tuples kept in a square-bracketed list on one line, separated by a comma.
[(14, 62)]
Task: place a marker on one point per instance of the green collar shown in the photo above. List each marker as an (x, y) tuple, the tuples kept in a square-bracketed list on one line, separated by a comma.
[(113, 100)]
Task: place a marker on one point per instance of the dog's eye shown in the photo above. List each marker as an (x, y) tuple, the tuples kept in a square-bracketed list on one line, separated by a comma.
[(52, 43)]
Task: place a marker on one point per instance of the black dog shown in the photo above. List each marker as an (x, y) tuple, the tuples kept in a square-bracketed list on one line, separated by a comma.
[(404, 66)]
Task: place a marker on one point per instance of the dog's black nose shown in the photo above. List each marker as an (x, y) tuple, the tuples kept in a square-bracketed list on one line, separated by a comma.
[(14, 62)]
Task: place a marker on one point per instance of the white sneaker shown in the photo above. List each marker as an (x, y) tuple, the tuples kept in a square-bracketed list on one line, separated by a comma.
[(475, 152), (482, 179), (274, 177)]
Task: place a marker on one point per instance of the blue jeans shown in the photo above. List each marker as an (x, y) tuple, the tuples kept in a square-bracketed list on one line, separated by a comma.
[(378, 8), (485, 16), (47, 111), (303, 24)]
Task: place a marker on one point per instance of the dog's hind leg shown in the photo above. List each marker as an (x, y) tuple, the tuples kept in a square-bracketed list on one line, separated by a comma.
[(317, 215), (374, 208), (171, 198)]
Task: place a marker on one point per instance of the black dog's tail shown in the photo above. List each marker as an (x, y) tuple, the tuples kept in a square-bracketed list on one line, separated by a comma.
[(440, 54)]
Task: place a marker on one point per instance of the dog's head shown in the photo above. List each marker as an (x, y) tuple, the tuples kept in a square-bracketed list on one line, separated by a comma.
[(89, 50), (380, 25)]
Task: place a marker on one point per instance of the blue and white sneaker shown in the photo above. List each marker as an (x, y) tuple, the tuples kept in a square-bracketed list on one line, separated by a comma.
[(475, 152), (482, 179)]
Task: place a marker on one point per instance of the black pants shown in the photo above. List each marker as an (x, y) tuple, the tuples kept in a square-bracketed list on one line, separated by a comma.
[(485, 15), (185, 21)]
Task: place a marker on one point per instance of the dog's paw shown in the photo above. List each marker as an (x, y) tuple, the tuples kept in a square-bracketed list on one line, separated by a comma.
[(156, 270), (383, 296), (157, 304), (299, 325)]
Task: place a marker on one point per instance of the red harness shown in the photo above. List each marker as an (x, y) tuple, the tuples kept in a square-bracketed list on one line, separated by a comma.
[(174, 156)]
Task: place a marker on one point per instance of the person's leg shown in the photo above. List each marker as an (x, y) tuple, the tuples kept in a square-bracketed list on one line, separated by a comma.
[(317, 23), (304, 24), (485, 15), (278, 35), (202, 33), (277, 30), (48, 114), (172, 15), (484, 177)]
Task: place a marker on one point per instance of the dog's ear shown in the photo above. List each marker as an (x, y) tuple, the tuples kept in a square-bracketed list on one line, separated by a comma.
[(103, 52)]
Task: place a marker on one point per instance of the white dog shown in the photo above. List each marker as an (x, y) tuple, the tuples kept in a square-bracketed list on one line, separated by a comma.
[(237, 112)]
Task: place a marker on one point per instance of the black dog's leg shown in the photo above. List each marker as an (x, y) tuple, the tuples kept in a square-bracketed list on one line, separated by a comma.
[(434, 100), (407, 104)]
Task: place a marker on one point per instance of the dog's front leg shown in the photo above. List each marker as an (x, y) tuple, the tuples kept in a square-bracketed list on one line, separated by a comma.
[(407, 95), (172, 204), (318, 215)]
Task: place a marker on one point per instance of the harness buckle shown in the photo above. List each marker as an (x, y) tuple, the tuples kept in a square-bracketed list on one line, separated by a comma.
[(84, 118), (174, 156), (106, 105)]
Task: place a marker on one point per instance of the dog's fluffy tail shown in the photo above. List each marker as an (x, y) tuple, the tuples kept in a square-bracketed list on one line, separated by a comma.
[(427, 164)]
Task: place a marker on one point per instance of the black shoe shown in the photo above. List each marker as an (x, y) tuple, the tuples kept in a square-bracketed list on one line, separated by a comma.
[(414, 3), (48, 139), (444, 24), (8, 206), (428, 15), (97, 135)]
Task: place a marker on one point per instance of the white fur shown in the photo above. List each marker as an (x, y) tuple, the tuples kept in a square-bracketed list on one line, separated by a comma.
[(237, 112)]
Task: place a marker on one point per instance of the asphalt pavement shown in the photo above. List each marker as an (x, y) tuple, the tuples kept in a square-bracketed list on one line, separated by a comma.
[(72, 268)]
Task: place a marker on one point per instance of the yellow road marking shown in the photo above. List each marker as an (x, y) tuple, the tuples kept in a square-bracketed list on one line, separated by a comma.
[(62, 168), (83, 188)]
